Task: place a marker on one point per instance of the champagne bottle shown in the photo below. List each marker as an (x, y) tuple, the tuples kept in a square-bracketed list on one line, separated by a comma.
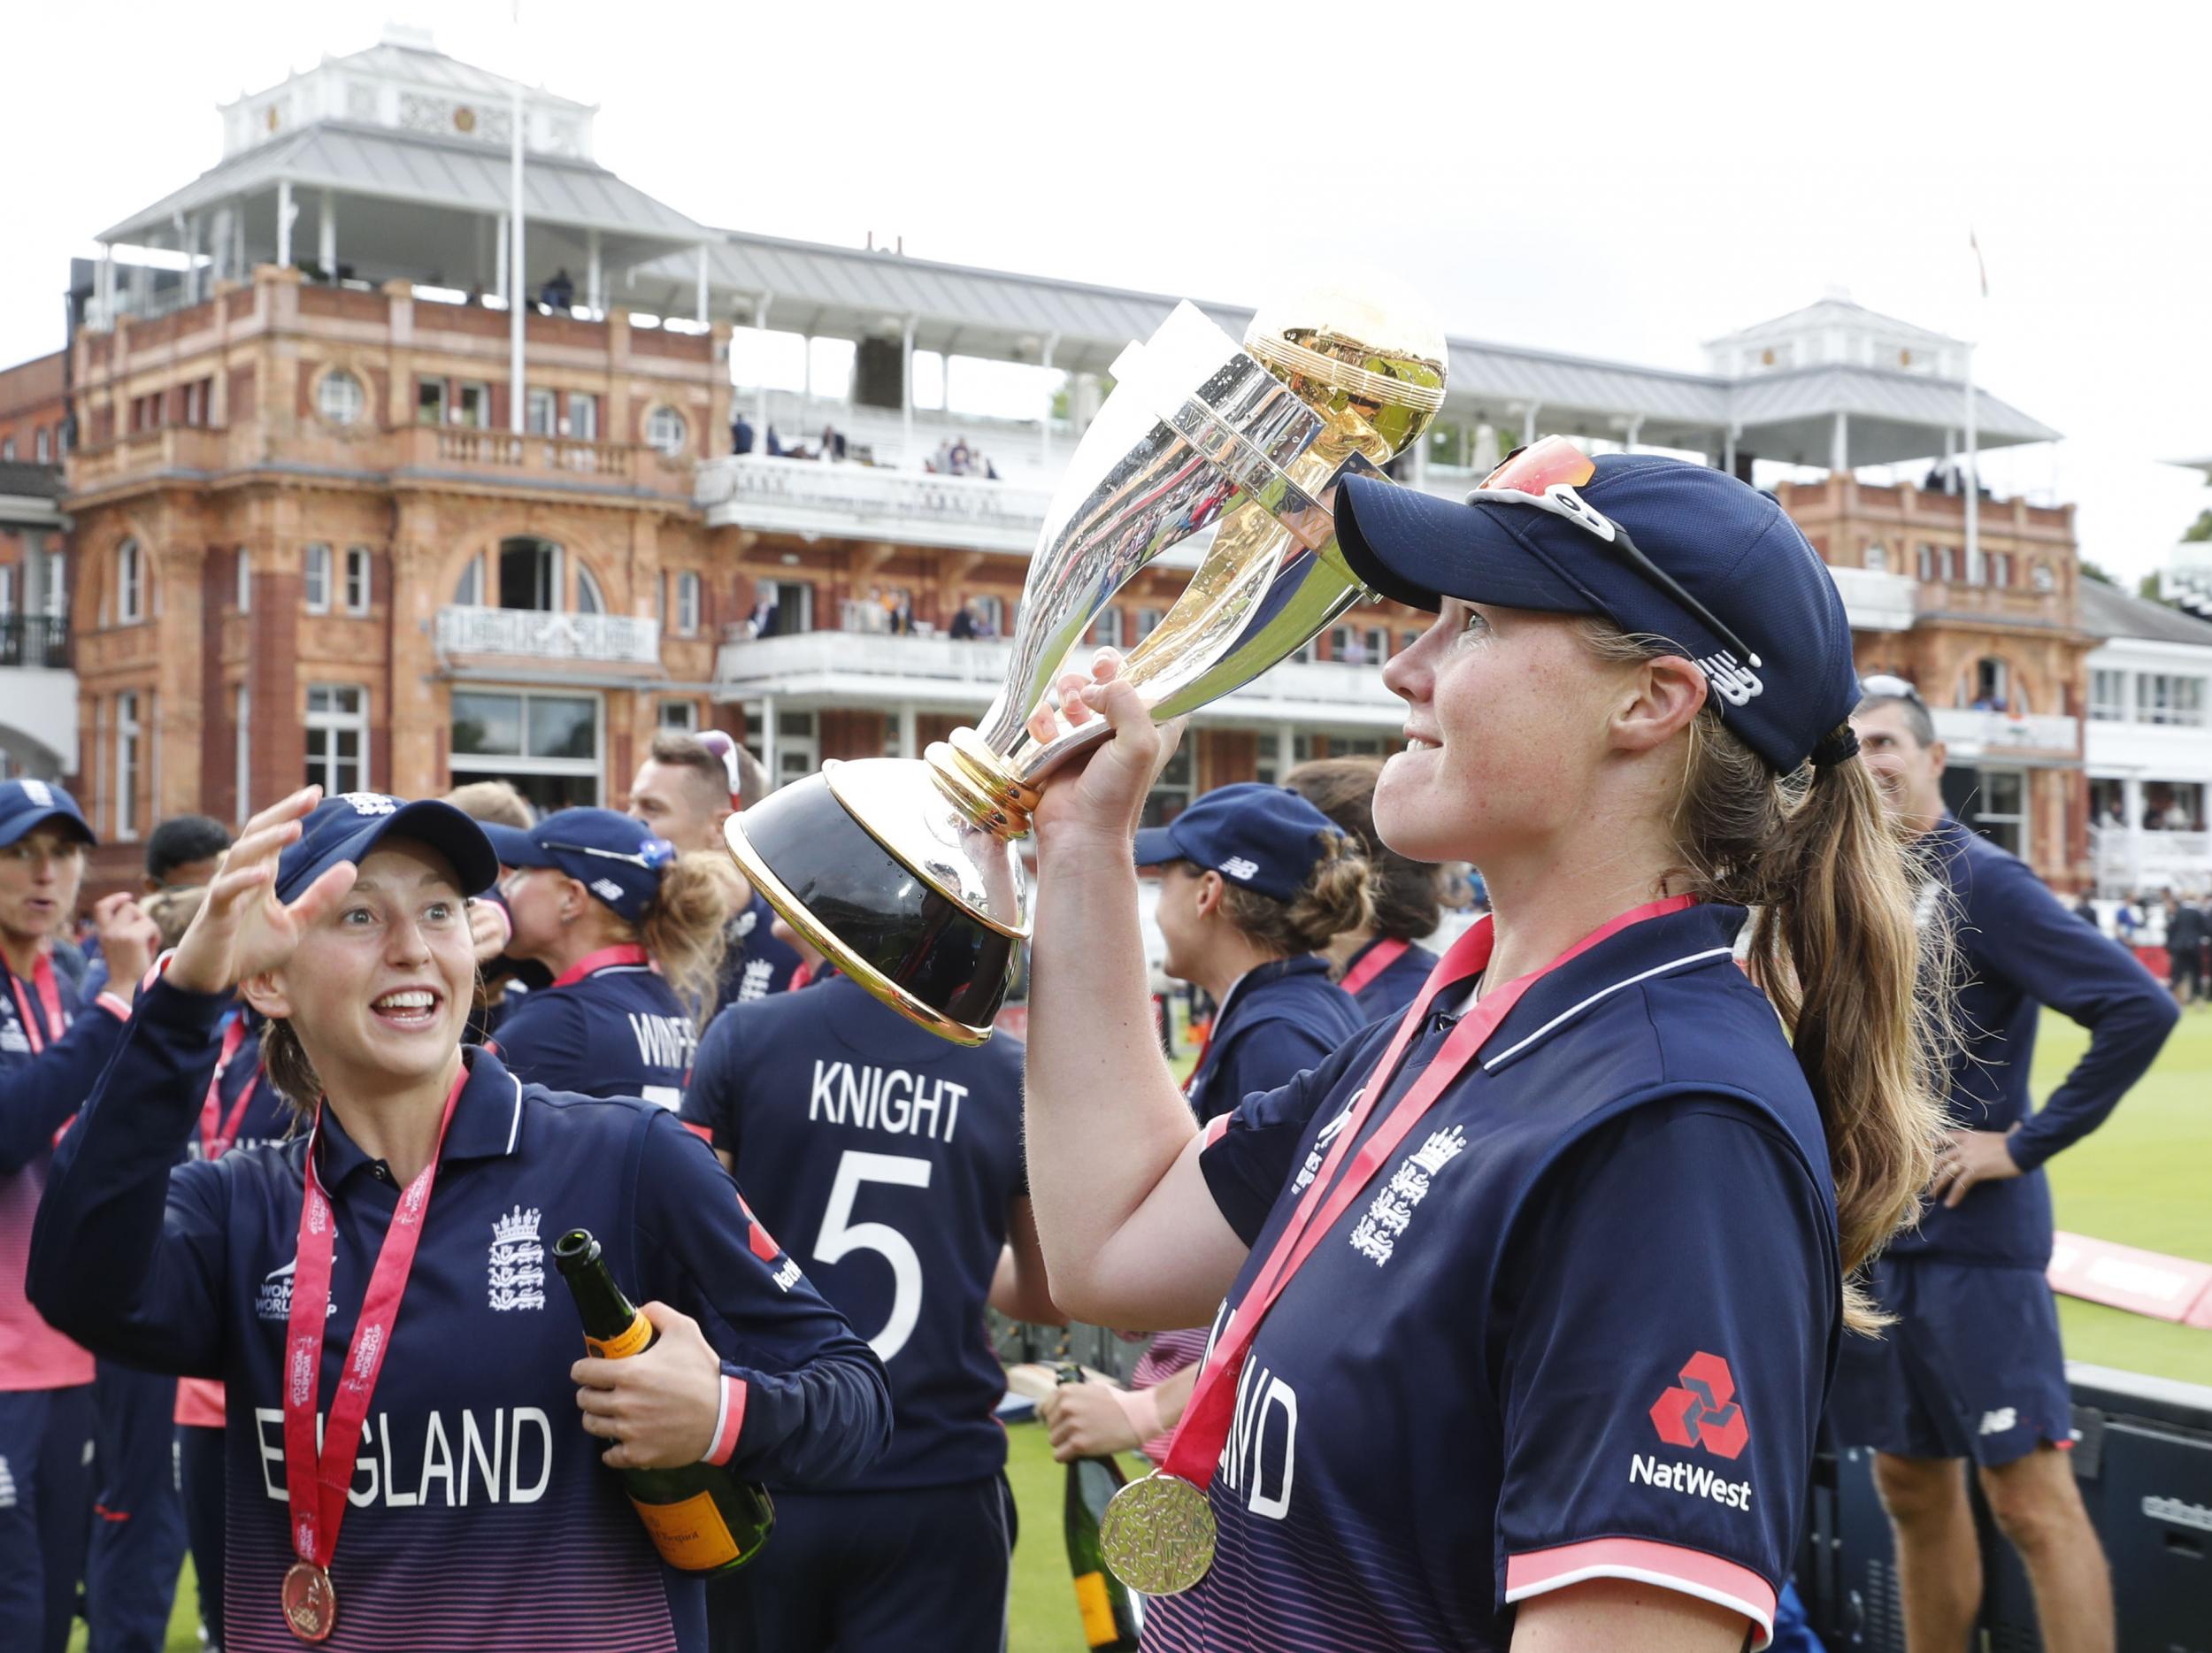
[(1110, 1618), (701, 1517)]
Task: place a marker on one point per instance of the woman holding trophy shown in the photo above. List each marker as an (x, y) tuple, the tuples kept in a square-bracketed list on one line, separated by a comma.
[(1531, 1294)]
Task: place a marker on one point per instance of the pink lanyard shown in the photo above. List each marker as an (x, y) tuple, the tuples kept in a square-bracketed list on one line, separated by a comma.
[(1378, 959), (218, 1133), (48, 992), (1196, 1449)]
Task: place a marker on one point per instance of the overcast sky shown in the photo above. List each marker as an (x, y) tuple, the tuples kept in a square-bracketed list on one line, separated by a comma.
[(1618, 181)]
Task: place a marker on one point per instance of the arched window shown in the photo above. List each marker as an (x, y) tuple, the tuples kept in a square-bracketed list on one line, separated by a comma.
[(339, 398), (130, 584), (589, 600), (664, 430), (1878, 556)]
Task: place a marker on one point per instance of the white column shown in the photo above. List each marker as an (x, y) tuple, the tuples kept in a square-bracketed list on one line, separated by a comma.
[(1285, 751), (1728, 448), (103, 288), (1635, 429), (327, 235), (760, 326), (518, 268), (768, 736), (700, 310), (2131, 812), (1839, 446), (806, 369), (908, 735), (1528, 423), (238, 270), (595, 276), (286, 213), (1973, 472), (906, 391), (499, 262), (1044, 422)]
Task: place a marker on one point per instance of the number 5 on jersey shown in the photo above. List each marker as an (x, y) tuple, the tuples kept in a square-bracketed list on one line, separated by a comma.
[(840, 1235)]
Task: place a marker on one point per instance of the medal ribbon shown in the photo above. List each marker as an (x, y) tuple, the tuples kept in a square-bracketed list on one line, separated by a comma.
[(1195, 1450), (217, 1134), (315, 1482), (1378, 959), (49, 997)]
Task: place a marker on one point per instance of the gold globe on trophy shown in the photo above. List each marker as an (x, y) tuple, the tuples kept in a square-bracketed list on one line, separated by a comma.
[(905, 873)]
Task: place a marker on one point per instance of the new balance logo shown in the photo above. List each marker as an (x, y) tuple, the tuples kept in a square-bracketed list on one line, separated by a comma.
[(370, 802), (39, 794), (1997, 1422), (1703, 1411), (1732, 682), (607, 889), (1240, 868)]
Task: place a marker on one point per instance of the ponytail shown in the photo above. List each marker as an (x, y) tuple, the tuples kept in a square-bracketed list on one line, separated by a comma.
[(1334, 898), (1862, 989), (685, 929)]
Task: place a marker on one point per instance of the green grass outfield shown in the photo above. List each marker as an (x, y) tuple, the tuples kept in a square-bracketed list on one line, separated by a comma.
[(2144, 1179)]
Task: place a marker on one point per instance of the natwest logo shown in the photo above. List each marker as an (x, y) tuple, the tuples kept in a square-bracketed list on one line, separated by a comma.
[(1703, 1411)]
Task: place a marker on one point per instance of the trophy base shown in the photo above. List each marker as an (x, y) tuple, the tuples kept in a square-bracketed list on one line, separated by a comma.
[(877, 917)]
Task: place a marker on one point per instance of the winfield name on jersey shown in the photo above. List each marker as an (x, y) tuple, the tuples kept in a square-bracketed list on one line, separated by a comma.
[(885, 1099), (1695, 1479)]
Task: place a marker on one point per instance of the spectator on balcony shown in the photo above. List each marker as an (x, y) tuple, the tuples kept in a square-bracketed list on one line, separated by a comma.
[(832, 446), (963, 627), (775, 447), (740, 434), (558, 294)]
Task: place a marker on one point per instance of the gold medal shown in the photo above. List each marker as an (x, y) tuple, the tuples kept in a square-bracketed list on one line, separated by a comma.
[(1158, 1534), (310, 1606)]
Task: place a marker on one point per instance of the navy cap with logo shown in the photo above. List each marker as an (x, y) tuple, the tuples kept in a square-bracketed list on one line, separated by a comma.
[(1259, 837), (26, 805), (1730, 550), (618, 859), (348, 826)]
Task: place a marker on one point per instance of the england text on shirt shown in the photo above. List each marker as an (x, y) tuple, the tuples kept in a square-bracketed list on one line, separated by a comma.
[(480, 1515), (1580, 1323)]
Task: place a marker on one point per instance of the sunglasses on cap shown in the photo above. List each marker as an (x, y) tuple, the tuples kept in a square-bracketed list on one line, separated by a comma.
[(657, 853), (1546, 474), (1883, 685)]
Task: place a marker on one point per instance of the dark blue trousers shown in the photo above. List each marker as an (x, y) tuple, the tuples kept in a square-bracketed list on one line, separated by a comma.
[(45, 1503), (916, 1570), (200, 1486), (138, 1526)]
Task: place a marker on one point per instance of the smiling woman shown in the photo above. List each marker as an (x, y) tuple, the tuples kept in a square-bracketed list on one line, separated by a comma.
[(423, 1184)]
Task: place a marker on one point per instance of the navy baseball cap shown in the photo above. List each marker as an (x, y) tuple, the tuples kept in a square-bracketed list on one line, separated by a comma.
[(1260, 837), (1730, 546), (28, 804), (346, 827), (618, 859)]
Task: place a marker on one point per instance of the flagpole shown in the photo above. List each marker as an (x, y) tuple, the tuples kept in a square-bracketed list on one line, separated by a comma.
[(1973, 461), (518, 283)]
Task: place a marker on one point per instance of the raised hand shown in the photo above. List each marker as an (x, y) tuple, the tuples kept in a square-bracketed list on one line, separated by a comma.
[(1104, 795), (241, 928), (128, 940)]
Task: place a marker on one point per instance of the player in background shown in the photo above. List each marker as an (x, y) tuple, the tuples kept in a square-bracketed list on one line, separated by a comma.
[(1533, 1292), (1971, 1372), (889, 1161), (633, 932), (685, 791), (417, 1210), (51, 1053), (1256, 882), (1381, 964)]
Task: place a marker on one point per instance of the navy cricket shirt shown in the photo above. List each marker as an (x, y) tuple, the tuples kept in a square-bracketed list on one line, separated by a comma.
[(480, 1515), (1396, 985), (2021, 948), (1278, 1018), (1581, 1324), (610, 1026), (885, 1158), (757, 963)]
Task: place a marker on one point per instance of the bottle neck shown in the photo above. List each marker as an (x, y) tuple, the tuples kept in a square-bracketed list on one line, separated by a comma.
[(608, 1316)]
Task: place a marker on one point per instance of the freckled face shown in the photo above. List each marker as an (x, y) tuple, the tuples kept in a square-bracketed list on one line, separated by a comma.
[(1506, 713)]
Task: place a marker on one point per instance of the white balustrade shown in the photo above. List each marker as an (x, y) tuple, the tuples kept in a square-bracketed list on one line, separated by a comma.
[(535, 634)]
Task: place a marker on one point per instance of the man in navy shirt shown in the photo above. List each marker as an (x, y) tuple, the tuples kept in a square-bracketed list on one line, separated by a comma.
[(889, 1160), (1972, 1369), (685, 792)]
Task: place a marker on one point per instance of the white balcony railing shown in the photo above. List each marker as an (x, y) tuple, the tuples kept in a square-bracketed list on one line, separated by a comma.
[(1874, 601), (533, 634), (806, 496), (1971, 734), (827, 667), (2132, 857)]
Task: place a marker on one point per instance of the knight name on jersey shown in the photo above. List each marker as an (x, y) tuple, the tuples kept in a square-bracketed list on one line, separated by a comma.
[(504, 1456), (662, 1040), (1696, 1480), (885, 1099)]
